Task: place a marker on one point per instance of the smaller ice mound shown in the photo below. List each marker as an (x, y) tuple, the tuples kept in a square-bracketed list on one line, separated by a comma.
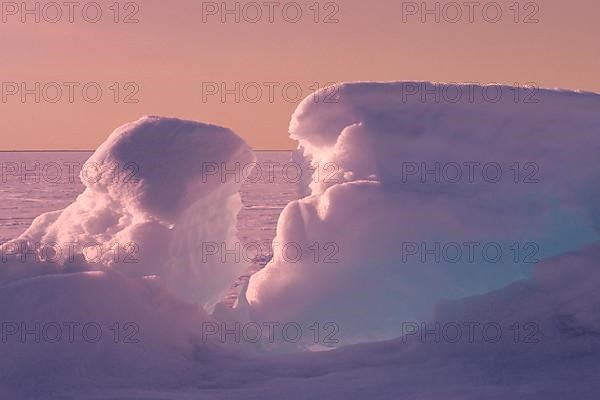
[(155, 195), (417, 199)]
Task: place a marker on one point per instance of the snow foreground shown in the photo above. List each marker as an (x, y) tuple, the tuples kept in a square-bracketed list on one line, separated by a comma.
[(462, 329)]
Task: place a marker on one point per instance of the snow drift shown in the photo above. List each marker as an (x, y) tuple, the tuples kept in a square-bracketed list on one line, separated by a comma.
[(153, 197), (63, 330), (416, 199), (560, 360)]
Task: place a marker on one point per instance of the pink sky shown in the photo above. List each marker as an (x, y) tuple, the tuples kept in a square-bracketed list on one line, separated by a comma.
[(170, 54)]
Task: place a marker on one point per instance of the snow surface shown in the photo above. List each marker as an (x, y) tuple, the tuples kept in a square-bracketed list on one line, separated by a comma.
[(367, 215)]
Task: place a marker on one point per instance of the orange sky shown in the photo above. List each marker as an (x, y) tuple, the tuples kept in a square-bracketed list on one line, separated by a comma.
[(171, 53)]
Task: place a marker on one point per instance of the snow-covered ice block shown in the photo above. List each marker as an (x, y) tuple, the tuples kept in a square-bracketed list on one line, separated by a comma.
[(417, 199), (154, 197)]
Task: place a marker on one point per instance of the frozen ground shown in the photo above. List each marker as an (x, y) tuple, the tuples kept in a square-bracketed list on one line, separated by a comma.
[(25, 199)]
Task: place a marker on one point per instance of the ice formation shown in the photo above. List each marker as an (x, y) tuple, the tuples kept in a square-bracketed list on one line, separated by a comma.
[(416, 199), (155, 195), (152, 343)]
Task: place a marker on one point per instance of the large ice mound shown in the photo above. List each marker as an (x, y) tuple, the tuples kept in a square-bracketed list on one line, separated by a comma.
[(152, 199), (423, 192)]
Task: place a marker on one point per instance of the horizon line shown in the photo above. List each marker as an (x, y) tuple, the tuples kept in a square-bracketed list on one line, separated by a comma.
[(91, 151)]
